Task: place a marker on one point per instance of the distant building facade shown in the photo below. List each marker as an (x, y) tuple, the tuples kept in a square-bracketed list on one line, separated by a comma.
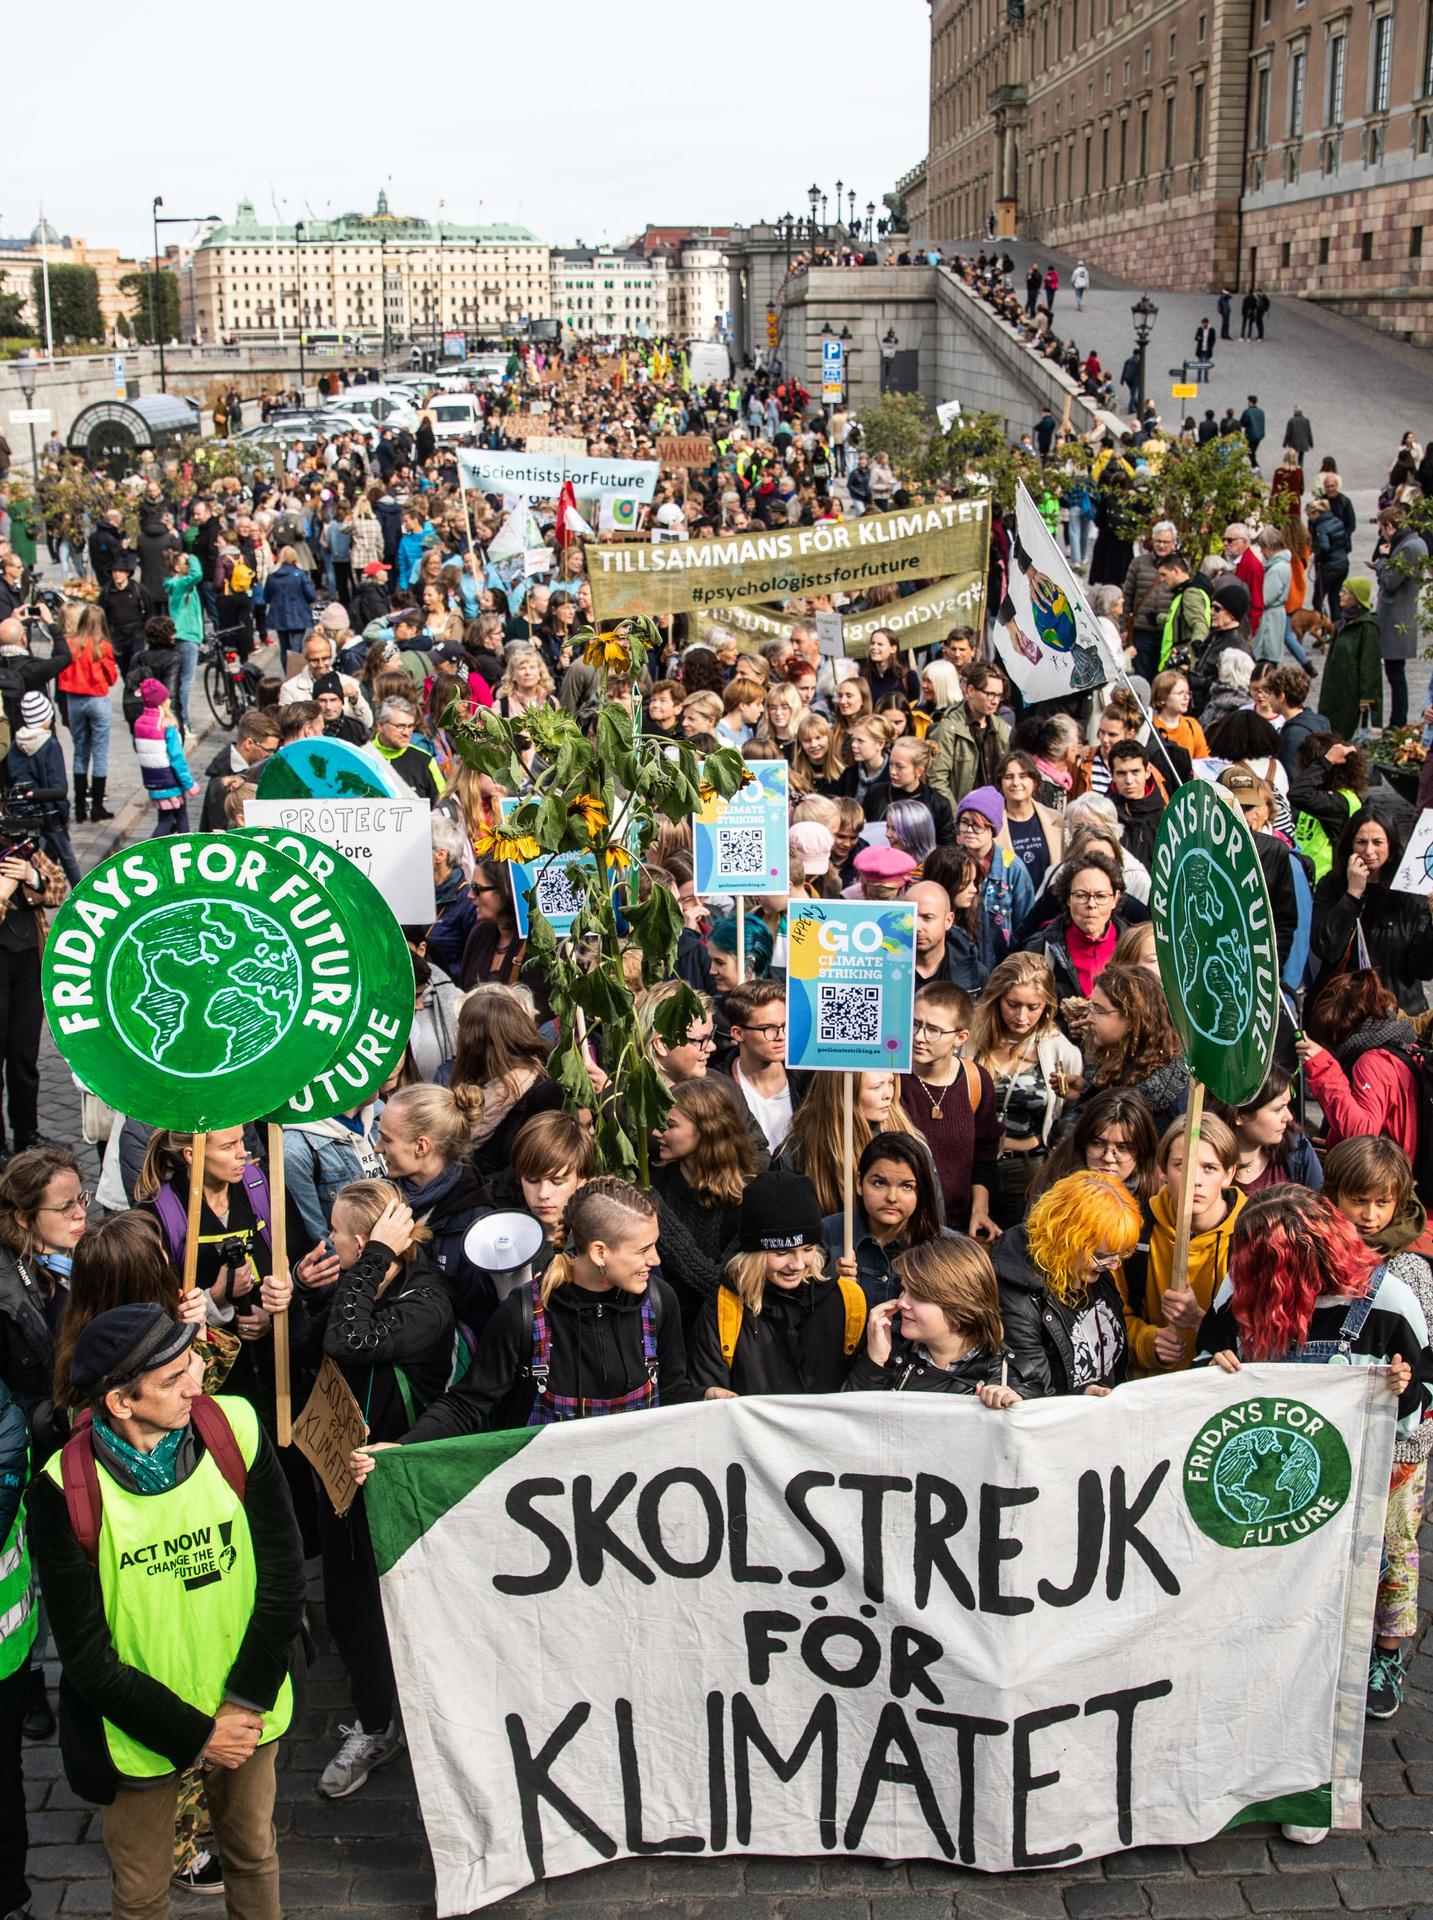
[(1181, 144), (20, 259)]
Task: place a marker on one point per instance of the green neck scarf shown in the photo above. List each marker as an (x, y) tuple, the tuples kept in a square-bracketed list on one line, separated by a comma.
[(152, 1472)]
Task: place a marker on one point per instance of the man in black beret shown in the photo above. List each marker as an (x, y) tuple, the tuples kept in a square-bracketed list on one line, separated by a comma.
[(172, 1572)]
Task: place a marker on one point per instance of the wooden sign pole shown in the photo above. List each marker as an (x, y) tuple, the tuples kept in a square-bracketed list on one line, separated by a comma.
[(1193, 1119), (279, 1236), (740, 938), (848, 1155), (196, 1201)]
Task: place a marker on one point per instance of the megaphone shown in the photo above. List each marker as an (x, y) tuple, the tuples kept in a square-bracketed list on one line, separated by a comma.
[(503, 1245)]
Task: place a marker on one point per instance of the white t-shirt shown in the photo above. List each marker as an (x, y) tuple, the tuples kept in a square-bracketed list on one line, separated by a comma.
[(772, 1115)]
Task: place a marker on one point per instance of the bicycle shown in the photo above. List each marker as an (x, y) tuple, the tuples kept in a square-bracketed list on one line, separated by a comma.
[(227, 686)]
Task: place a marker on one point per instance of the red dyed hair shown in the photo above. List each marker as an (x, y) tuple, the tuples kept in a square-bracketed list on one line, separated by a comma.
[(1290, 1249)]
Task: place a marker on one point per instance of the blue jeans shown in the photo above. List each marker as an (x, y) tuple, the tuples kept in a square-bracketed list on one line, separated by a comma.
[(171, 820), (1291, 641), (188, 660), (1078, 532), (89, 717)]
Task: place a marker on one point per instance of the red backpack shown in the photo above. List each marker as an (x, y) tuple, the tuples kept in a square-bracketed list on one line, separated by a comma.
[(80, 1480)]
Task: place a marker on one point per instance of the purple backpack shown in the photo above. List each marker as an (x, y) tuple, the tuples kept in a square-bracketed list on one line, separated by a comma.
[(175, 1220)]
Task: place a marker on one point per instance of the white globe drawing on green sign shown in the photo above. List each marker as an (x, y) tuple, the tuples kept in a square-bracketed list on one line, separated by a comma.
[(1209, 935), (1264, 1475), (204, 987)]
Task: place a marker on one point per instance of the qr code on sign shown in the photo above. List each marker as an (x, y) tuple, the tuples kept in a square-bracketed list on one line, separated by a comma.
[(848, 1016), (740, 850), (557, 898)]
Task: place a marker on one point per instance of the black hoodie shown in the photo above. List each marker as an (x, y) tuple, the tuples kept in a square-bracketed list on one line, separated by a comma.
[(1040, 1330), (1139, 821), (1396, 926), (796, 1344), (596, 1353)]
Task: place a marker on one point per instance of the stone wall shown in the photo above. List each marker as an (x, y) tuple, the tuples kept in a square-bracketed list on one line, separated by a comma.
[(1393, 289)]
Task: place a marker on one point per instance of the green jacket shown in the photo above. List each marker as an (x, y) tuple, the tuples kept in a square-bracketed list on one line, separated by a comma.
[(186, 609), (1353, 676), (956, 769)]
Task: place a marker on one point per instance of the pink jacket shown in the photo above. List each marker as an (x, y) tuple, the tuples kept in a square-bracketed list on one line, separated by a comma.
[(1379, 1096)]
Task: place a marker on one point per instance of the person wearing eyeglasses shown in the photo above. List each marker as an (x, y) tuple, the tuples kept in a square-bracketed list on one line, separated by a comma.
[(393, 742), (1062, 1311), (1079, 943), (756, 1015)]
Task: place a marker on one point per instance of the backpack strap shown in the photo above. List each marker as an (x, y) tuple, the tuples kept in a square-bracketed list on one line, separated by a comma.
[(80, 1481), (729, 1317), (175, 1222), (255, 1183), (972, 1086), (853, 1298), (209, 1421)]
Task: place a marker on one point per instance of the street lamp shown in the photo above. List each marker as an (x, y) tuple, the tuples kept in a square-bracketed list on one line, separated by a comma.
[(1145, 314), (870, 216), (26, 370), (158, 220), (813, 194), (300, 228), (851, 210), (889, 344)]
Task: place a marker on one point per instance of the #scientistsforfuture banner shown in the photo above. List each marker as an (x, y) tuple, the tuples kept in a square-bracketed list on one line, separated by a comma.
[(834, 556), (540, 476), (850, 985), (897, 1625), (1214, 939), (740, 845)]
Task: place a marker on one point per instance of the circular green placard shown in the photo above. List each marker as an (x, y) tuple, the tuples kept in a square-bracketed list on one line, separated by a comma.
[(1265, 1473), (315, 769), (193, 981), (381, 1016), (1214, 935)]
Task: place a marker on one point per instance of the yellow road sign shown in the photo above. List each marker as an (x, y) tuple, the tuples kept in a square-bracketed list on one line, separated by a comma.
[(1181, 391)]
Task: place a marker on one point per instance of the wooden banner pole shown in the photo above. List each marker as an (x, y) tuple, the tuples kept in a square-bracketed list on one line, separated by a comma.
[(1193, 1119), (848, 1155), (740, 938), (196, 1201), (279, 1236)]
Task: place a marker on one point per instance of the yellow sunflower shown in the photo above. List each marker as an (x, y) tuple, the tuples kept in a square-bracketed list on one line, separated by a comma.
[(502, 845), (608, 650), (618, 857), (590, 810)]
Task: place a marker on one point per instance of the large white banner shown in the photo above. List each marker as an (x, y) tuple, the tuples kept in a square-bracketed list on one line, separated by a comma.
[(540, 475), (1048, 639), (907, 1627)]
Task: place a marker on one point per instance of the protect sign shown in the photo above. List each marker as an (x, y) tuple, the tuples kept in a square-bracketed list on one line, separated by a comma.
[(897, 1625), (834, 556), (199, 981)]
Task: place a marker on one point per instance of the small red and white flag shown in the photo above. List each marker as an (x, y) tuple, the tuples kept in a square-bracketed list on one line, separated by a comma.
[(570, 523)]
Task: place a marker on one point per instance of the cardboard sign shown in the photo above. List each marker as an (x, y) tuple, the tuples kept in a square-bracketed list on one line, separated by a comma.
[(328, 1430), (740, 845), (686, 450), (830, 638), (386, 839), (834, 556), (200, 980), (850, 984)]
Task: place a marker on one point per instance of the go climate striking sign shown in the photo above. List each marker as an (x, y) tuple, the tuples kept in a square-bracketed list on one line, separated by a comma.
[(887, 1624), (850, 985), (833, 556), (1214, 935), (199, 980)]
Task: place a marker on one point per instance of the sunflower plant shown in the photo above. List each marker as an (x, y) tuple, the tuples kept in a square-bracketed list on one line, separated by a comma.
[(591, 803)]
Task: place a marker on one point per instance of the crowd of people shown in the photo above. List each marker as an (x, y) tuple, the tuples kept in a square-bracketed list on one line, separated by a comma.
[(1016, 1192)]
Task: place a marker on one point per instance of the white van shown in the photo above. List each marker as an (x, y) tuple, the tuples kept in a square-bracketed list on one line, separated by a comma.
[(487, 368), (708, 360), (455, 415)]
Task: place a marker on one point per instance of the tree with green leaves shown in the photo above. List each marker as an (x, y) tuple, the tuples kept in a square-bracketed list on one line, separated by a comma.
[(1202, 490), (12, 324), (973, 455), (898, 426), (74, 302), (596, 799), (146, 288)]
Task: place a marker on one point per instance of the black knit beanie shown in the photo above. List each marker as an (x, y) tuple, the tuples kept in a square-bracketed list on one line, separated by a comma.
[(779, 1210)]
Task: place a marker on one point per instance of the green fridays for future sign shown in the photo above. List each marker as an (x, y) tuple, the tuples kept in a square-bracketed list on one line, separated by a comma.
[(380, 1014), (199, 981), (1214, 935)]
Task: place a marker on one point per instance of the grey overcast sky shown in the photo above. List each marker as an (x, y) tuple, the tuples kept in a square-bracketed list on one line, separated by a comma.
[(581, 122)]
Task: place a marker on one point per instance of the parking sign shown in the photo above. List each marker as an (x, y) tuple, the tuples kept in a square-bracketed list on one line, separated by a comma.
[(833, 370)]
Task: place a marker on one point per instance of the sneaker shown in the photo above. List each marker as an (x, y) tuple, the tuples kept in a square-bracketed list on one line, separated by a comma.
[(359, 1755), (205, 1874), (1385, 1683), (1306, 1836), (39, 1720)]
